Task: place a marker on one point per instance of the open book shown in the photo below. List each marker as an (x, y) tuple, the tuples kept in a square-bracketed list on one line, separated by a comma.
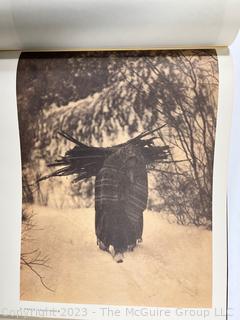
[(115, 126)]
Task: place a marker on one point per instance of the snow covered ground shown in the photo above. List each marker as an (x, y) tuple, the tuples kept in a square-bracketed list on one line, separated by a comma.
[(171, 268)]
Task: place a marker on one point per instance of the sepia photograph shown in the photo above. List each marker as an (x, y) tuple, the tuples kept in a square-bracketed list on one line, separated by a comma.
[(117, 154)]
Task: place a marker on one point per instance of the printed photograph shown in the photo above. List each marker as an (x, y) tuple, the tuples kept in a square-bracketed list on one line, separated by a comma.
[(117, 156)]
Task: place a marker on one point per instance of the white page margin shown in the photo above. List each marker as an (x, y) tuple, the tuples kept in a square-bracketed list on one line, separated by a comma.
[(10, 171)]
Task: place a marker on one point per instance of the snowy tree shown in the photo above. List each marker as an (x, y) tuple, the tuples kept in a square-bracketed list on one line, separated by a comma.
[(101, 98)]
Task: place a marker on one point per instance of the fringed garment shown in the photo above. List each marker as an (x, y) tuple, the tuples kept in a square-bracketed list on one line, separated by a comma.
[(121, 194)]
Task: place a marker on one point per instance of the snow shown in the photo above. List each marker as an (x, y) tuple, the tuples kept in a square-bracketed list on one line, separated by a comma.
[(171, 268)]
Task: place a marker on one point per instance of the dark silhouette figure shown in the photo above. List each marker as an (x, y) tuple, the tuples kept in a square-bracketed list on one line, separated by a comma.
[(121, 193), (121, 188)]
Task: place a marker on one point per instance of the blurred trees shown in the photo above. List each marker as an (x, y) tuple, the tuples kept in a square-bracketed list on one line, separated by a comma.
[(100, 97), (49, 78), (183, 86)]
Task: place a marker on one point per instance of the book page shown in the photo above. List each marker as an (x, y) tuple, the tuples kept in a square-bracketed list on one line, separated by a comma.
[(233, 189), (121, 212), (71, 24)]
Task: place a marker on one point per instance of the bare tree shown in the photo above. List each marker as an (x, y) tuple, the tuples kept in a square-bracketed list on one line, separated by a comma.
[(34, 260)]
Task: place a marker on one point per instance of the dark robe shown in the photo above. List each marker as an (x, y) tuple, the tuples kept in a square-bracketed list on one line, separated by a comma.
[(121, 193)]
